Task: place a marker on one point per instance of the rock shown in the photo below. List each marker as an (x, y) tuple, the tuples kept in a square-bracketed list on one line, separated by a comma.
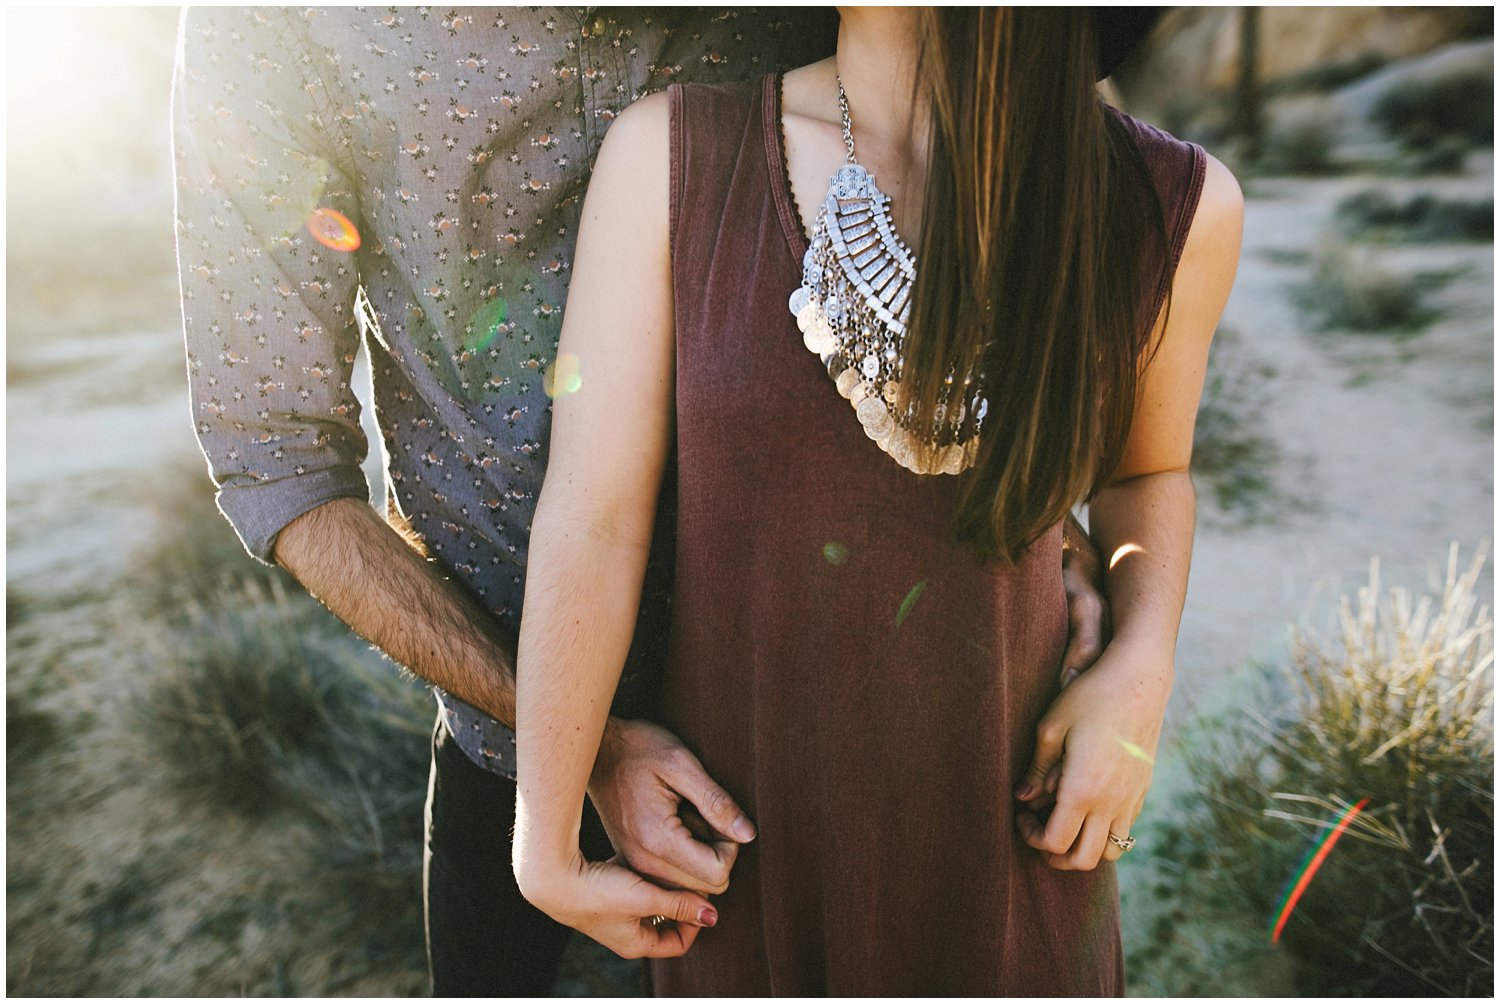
[(1351, 105), (1195, 50)]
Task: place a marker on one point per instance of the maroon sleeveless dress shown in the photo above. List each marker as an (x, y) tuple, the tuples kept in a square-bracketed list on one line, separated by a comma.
[(864, 687)]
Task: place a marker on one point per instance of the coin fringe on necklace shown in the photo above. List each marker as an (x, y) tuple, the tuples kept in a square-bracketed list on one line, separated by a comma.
[(852, 309)]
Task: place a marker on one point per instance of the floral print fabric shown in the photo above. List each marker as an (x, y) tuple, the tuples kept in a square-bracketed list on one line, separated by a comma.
[(408, 181)]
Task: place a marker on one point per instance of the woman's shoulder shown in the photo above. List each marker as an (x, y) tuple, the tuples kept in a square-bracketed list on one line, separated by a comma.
[(1207, 254), (1212, 243)]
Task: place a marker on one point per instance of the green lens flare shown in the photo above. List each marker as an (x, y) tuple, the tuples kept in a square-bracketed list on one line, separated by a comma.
[(910, 601), (486, 325)]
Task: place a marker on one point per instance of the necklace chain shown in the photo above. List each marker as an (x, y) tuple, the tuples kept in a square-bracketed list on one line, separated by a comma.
[(844, 113), (852, 307)]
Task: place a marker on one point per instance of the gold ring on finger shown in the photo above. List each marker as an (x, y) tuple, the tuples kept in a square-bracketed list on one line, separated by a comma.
[(659, 920), (1123, 843)]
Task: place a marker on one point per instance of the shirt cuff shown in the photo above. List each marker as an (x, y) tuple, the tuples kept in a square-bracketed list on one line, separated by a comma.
[(258, 510)]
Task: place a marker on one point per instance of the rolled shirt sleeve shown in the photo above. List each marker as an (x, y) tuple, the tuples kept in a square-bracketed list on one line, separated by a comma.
[(261, 171)]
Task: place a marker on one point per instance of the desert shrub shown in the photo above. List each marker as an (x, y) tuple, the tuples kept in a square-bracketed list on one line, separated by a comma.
[(1447, 155), (369, 790), (1300, 143), (263, 695), (1326, 76), (1373, 213), (257, 701), (362, 798), (29, 729), (1351, 291), (1398, 711), (1458, 105), (1231, 452), (241, 690)]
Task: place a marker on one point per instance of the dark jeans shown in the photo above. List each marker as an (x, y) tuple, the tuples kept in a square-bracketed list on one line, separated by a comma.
[(483, 938)]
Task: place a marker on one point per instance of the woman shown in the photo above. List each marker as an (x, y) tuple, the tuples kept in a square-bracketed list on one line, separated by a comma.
[(863, 655)]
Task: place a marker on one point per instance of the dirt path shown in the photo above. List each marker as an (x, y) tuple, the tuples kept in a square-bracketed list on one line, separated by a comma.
[(1386, 444)]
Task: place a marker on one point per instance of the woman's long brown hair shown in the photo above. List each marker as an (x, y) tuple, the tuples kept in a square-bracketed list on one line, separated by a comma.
[(1040, 227)]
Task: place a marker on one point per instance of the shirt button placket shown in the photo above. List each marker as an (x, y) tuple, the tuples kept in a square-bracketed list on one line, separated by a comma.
[(591, 28)]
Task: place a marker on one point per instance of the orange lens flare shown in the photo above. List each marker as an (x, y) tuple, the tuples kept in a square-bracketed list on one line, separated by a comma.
[(1123, 552), (1310, 866), (332, 229)]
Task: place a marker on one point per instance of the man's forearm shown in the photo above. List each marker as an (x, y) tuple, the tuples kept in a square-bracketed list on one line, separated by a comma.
[(374, 581)]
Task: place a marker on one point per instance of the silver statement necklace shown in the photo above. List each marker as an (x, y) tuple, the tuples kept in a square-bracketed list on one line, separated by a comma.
[(852, 309)]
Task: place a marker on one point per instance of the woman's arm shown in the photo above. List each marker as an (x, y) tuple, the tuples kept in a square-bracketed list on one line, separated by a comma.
[(1097, 743), (589, 542)]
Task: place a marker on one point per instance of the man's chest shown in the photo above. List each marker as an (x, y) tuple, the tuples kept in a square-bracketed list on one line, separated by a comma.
[(467, 136), (475, 122)]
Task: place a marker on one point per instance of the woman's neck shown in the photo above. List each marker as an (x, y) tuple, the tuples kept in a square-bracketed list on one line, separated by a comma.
[(877, 62)]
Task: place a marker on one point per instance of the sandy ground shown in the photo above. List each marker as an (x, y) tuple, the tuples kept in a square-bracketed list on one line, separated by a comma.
[(1386, 444)]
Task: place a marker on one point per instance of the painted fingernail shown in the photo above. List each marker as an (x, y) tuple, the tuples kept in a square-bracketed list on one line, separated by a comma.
[(744, 830), (708, 916)]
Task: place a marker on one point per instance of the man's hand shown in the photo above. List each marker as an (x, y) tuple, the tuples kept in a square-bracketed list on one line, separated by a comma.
[(640, 780), (613, 905), (1088, 612)]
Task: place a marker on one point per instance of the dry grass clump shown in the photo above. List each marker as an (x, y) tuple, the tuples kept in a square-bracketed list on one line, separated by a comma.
[(243, 690), (1399, 711), (1352, 291), (265, 701), (262, 701), (262, 704)]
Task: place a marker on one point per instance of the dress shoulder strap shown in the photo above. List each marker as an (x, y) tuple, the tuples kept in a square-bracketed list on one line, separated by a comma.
[(713, 128), (1176, 169)]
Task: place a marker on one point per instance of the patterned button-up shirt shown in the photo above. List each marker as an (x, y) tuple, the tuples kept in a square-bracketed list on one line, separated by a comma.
[(409, 180)]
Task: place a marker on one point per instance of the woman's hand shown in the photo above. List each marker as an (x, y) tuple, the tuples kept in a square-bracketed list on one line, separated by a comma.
[(615, 906), (1095, 751)]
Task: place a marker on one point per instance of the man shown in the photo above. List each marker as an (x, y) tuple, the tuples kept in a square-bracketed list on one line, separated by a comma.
[(416, 174)]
